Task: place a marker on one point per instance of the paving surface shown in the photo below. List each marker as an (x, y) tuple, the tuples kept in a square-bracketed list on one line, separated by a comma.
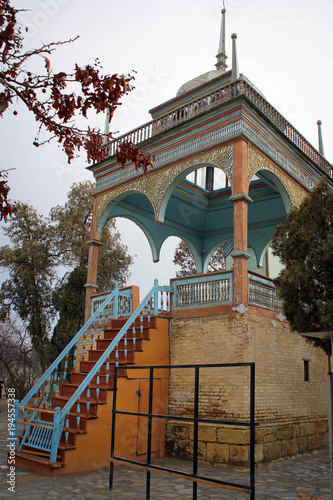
[(300, 478)]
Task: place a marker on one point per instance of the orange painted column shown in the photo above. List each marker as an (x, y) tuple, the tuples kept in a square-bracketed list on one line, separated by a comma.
[(94, 244), (241, 200), (91, 285)]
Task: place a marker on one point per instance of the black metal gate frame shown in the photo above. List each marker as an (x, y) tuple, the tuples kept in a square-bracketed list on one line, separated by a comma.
[(194, 477)]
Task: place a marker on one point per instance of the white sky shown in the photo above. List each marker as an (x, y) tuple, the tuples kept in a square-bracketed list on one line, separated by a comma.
[(284, 47)]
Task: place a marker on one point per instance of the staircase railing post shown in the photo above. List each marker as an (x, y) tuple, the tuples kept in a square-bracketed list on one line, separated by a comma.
[(116, 302), (156, 297), (56, 434), (71, 344)]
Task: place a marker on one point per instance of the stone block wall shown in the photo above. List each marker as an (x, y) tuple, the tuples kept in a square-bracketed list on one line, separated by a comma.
[(231, 445), (291, 413)]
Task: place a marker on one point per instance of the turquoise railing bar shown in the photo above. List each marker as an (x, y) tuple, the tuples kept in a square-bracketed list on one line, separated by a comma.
[(48, 440), (71, 344), (124, 303), (263, 292), (158, 299), (43, 435), (152, 294)]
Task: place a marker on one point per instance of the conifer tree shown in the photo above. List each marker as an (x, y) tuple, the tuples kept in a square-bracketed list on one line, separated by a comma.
[(304, 244), (40, 247)]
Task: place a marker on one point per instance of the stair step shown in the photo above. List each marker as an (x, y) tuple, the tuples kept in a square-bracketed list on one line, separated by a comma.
[(71, 438), (36, 463), (124, 356), (117, 324), (86, 366), (38, 453), (74, 430), (138, 335), (78, 377), (62, 400), (69, 389), (72, 420), (102, 344)]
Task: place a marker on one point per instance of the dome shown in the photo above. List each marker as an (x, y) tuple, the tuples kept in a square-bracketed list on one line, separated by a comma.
[(199, 80)]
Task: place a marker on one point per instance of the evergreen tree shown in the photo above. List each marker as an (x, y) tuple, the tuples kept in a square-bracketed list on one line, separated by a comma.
[(304, 244), (39, 249), (69, 301), (72, 225), (31, 263)]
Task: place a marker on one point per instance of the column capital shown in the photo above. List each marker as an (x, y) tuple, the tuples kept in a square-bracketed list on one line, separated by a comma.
[(94, 242), (243, 255), (240, 196)]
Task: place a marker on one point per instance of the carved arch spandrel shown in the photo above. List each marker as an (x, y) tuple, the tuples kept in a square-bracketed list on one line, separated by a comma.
[(257, 161), (143, 185), (156, 184)]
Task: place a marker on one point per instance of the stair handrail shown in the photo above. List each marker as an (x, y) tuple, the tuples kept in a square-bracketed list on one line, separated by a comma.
[(76, 395), (113, 295)]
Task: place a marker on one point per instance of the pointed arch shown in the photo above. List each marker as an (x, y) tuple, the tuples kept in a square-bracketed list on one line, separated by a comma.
[(292, 194), (109, 205), (221, 158)]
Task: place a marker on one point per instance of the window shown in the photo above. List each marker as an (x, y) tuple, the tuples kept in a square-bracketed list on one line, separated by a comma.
[(306, 370)]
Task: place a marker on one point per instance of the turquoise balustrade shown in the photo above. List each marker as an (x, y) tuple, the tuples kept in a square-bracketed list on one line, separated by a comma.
[(111, 306), (48, 439), (202, 290), (263, 292)]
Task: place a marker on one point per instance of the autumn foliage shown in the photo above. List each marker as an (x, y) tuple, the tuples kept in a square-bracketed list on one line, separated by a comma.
[(57, 99), (127, 151), (6, 208)]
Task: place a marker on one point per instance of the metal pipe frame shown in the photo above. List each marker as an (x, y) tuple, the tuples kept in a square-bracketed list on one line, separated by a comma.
[(196, 420)]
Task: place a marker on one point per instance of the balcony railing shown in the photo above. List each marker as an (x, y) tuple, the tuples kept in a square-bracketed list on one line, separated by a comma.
[(121, 307), (136, 136), (211, 101), (262, 293), (210, 289)]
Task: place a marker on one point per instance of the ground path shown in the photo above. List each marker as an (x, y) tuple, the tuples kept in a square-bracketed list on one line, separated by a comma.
[(300, 478)]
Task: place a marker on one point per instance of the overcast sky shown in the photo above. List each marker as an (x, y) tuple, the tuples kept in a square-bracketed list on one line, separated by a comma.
[(284, 47)]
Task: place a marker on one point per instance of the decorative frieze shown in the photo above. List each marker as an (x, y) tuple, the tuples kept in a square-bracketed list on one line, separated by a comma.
[(259, 162), (174, 154), (205, 141), (277, 156), (156, 184)]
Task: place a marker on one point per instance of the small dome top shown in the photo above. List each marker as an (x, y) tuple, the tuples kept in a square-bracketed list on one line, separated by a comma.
[(199, 80)]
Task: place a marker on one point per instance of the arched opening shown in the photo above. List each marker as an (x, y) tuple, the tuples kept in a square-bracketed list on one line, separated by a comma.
[(269, 207), (145, 270), (216, 260), (204, 178), (197, 208), (126, 205), (270, 264)]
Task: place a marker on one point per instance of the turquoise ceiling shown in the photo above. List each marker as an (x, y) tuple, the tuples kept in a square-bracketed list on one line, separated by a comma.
[(204, 219)]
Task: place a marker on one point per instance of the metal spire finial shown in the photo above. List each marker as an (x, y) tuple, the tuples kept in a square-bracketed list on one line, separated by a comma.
[(106, 126), (235, 70), (221, 56), (320, 138)]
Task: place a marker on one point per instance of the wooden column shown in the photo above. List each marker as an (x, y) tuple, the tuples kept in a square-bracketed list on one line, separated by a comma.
[(91, 285), (241, 200)]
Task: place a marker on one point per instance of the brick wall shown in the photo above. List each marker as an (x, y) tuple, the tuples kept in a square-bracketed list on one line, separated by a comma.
[(291, 412)]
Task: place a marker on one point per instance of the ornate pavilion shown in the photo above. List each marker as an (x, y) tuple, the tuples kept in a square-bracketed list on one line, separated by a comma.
[(227, 169)]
